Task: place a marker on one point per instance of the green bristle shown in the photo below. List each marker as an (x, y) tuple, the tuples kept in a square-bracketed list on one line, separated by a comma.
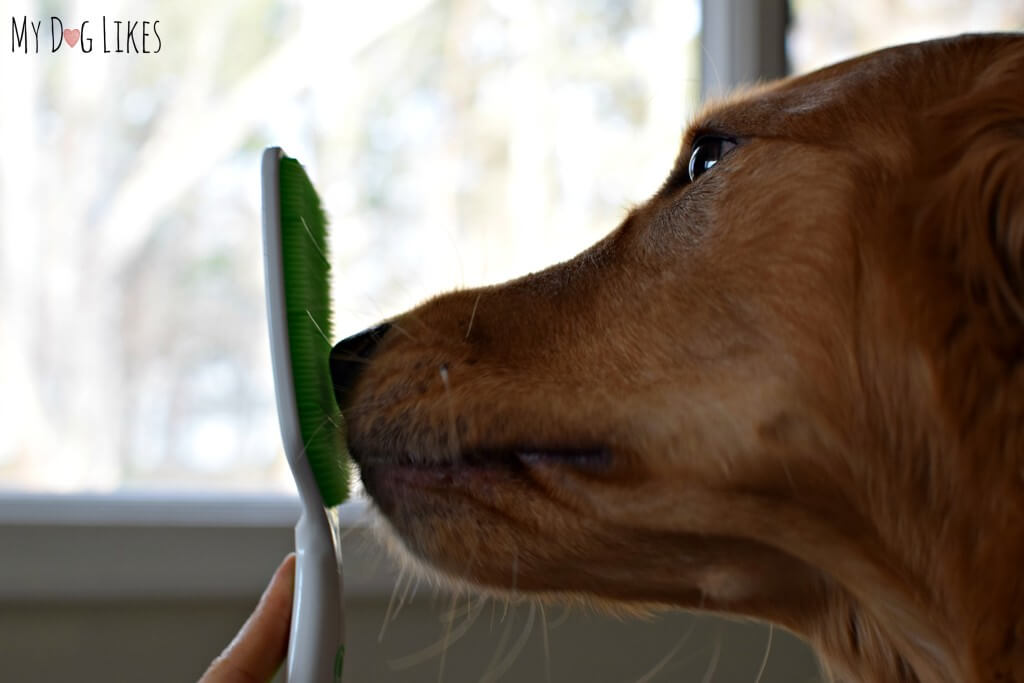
[(307, 272)]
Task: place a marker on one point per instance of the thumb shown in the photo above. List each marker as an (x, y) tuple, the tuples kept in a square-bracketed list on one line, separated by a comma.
[(262, 643)]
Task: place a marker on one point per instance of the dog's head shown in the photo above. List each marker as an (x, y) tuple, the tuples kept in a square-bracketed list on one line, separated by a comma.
[(788, 385)]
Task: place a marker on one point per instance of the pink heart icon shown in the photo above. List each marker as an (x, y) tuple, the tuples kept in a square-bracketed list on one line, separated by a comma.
[(71, 36)]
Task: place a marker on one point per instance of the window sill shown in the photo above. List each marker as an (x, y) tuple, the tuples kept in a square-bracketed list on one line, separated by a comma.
[(173, 547)]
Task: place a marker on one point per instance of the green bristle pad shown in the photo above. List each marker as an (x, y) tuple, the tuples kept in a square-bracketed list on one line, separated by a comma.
[(307, 277)]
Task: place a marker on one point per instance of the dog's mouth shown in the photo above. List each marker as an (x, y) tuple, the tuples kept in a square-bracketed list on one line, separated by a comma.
[(488, 516), (511, 456), (387, 476)]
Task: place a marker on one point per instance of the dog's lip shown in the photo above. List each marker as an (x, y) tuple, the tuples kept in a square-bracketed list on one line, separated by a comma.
[(573, 457), (390, 479), (517, 457)]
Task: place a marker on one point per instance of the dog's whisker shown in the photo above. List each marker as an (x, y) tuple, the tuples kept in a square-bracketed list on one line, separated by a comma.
[(335, 419), (715, 655), (319, 329), (664, 661), (347, 532), (323, 423), (401, 329), (499, 649), (351, 357), (767, 651), (409, 315), (474, 611), (562, 618), (402, 598), (314, 242), (357, 313), (357, 409), (545, 643), (451, 635), (472, 315), (415, 587), (391, 602), (446, 641), (414, 317), (453, 432), (509, 659), (454, 612)]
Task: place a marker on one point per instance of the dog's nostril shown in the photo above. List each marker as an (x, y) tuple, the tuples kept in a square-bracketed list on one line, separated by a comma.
[(350, 356)]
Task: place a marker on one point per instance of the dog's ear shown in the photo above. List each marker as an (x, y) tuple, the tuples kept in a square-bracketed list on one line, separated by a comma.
[(997, 174), (974, 151), (1007, 220)]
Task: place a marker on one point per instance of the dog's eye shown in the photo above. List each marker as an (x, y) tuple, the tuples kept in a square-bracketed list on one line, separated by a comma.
[(708, 151)]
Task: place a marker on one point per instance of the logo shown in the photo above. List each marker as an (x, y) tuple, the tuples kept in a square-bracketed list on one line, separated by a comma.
[(106, 36)]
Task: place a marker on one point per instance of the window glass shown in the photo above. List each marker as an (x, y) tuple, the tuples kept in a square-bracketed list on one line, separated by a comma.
[(827, 31), (454, 142)]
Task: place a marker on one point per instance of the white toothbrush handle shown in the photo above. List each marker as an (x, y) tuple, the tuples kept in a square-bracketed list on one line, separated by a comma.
[(316, 648)]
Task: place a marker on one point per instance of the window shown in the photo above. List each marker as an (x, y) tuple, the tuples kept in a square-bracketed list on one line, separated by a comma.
[(454, 143), (826, 31)]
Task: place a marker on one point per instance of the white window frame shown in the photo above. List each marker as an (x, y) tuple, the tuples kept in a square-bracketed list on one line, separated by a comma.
[(744, 42), (154, 547)]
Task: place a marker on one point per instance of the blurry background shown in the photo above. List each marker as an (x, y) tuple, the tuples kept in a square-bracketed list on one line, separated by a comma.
[(455, 143)]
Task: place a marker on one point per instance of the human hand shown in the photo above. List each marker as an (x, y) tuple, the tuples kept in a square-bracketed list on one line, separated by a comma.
[(257, 651)]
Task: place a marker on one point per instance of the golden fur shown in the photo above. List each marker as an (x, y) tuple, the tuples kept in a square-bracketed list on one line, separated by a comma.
[(792, 389)]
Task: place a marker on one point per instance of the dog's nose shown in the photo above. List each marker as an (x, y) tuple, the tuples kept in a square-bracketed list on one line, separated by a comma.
[(350, 356)]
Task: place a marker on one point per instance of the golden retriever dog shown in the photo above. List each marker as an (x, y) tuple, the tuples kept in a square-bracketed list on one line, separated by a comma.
[(789, 385)]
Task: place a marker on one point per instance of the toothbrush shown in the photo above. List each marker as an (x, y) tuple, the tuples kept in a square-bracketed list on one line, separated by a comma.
[(297, 272)]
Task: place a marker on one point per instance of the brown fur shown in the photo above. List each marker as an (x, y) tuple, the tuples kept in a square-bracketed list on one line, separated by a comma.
[(796, 386)]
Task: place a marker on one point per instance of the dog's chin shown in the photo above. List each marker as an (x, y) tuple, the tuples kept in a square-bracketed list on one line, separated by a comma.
[(478, 516)]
